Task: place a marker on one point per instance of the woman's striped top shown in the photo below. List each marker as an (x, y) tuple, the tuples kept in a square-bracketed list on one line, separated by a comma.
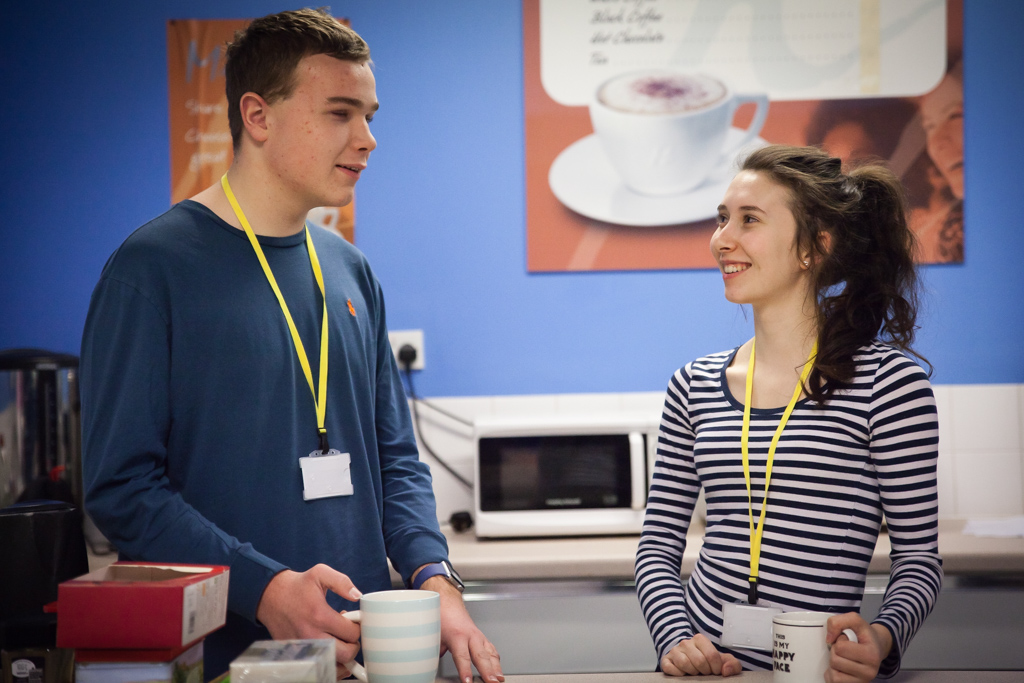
[(871, 449)]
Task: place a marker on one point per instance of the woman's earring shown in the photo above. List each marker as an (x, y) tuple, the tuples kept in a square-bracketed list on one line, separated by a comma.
[(807, 264)]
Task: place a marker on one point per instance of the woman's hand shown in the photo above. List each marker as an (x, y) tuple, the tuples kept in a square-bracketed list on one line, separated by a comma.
[(698, 656), (855, 662)]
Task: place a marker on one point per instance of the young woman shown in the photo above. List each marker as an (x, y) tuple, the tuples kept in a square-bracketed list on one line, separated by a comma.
[(825, 261)]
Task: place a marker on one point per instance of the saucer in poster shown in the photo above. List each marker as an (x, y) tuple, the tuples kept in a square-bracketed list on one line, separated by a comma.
[(583, 179)]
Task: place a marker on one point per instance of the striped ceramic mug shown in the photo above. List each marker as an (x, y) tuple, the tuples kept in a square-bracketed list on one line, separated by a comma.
[(401, 636)]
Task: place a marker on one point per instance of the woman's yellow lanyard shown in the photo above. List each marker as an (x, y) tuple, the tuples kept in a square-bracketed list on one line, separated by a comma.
[(319, 403), (755, 535)]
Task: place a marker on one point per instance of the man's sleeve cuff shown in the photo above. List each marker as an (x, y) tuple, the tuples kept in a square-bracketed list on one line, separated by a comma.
[(250, 573), (417, 550)]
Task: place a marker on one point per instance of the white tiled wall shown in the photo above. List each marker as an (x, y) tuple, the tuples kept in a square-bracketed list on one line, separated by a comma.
[(980, 450), (981, 442)]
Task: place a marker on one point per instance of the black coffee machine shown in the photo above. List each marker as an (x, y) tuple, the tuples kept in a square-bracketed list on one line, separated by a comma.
[(41, 519)]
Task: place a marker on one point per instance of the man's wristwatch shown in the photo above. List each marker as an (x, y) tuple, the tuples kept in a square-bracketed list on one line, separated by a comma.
[(443, 568)]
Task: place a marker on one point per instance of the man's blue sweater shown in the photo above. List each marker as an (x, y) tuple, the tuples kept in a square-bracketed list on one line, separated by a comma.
[(196, 412)]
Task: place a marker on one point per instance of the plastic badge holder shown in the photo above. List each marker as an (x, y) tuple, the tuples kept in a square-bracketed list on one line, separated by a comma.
[(285, 661)]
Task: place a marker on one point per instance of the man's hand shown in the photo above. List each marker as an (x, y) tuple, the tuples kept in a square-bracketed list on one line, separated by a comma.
[(461, 637), (295, 605), (855, 662), (699, 657)]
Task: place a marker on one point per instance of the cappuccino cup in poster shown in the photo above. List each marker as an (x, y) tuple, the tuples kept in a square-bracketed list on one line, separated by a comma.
[(665, 131)]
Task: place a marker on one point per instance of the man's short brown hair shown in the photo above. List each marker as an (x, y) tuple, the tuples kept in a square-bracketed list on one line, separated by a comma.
[(263, 56)]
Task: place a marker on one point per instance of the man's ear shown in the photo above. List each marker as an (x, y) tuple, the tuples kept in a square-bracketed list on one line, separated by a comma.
[(254, 116)]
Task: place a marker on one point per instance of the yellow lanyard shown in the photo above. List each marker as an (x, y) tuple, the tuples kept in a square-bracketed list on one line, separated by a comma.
[(755, 536), (319, 403)]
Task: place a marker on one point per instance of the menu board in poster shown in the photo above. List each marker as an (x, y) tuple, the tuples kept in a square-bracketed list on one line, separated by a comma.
[(636, 112), (201, 148)]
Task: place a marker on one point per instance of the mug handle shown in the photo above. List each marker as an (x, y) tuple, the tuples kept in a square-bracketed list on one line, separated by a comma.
[(756, 124), (849, 634), (354, 667)]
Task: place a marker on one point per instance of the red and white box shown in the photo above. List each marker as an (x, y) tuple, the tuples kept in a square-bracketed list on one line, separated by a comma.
[(142, 605)]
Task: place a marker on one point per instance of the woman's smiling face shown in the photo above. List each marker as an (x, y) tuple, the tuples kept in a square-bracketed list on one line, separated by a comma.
[(755, 243)]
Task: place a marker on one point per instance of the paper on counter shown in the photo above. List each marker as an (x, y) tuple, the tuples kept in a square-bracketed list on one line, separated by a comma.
[(1006, 527)]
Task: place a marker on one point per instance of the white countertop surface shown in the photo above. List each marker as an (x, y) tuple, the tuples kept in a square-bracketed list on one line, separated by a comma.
[(612, 557)]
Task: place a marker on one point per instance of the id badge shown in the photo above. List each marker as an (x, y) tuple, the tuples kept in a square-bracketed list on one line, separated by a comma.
[(748, 627), (326, 476)]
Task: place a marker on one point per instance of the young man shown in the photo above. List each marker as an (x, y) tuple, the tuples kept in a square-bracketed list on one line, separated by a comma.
[(241, 403)]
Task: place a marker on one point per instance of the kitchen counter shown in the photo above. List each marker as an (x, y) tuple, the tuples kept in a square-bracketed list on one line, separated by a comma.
[(760, 677), (612, 557), (569, 605)]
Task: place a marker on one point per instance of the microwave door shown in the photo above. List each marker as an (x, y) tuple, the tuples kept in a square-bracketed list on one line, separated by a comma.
[(652, 455), (637, 467)]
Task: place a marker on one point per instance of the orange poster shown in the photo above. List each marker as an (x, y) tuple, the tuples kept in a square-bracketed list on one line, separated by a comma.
[(637, 110), (201, 150)]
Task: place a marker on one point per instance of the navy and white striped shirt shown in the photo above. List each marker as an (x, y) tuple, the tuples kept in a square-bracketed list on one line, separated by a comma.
[(871, 449)]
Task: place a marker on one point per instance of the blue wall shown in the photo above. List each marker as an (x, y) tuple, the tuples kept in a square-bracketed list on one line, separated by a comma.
[(440, 213)]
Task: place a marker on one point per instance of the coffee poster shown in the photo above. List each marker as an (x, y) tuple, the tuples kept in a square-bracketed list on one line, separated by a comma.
[(201, 149), (636, 112)]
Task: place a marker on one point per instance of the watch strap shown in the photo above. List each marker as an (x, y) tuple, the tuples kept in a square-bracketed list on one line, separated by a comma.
[(442, 568), (429, 571)]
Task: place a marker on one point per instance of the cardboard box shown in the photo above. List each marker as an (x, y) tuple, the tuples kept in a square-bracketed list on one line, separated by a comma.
[(142, 605), (123, 656), (125, 666)]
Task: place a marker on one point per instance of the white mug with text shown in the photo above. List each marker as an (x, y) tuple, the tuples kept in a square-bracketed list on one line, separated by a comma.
[(665, 131), (799, 651)]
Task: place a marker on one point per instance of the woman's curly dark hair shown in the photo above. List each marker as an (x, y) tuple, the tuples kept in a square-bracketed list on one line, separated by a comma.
[(854, 227)]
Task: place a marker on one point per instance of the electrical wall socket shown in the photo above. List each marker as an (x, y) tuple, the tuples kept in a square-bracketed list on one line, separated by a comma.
[(400, 338)]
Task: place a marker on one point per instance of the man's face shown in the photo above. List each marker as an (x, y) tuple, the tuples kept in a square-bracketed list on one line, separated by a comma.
[(318, 139)]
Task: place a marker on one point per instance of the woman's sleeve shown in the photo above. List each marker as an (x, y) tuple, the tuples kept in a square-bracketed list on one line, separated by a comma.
[(673, 494), (904, 449)]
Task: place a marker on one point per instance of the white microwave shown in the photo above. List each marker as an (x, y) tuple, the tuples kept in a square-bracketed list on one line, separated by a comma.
[(563, 475)]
